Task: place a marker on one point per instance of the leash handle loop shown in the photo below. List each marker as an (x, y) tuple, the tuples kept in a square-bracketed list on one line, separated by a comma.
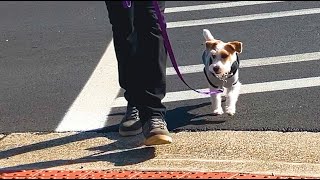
[(126, 4)]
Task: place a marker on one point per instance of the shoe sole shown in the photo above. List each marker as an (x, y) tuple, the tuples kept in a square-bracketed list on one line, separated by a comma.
[(158, 140), (130, 133)]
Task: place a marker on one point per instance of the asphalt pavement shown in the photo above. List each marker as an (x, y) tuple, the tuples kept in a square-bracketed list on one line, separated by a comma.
[(60, 102)]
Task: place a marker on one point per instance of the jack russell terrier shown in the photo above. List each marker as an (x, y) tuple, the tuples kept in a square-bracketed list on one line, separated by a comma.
[(222, 71)]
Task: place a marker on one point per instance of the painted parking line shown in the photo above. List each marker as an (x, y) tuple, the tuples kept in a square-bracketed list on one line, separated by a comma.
[(92, 106), (245, 89), (245, 63), (249, 17), (216, 6)]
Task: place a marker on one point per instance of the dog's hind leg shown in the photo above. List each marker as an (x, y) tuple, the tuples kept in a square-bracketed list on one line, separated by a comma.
[(232, 98)]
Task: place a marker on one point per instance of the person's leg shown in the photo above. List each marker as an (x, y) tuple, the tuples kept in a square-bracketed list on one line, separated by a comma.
[(121, 20), (148, 83)]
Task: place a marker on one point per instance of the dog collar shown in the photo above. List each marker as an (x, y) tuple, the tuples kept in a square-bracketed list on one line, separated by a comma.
[(234, 67), (205, 73)]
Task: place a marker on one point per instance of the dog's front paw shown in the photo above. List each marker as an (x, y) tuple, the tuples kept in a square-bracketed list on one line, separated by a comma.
[(231, 111), (218, 111)]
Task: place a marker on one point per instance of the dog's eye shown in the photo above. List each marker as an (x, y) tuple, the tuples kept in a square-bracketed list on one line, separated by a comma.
[(212, 58)]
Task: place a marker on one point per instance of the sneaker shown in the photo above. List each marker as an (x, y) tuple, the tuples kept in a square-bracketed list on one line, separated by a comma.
[(130, 125), (156, 132)]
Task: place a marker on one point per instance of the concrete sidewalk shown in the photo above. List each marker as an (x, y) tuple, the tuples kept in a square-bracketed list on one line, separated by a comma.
[(271, 153)]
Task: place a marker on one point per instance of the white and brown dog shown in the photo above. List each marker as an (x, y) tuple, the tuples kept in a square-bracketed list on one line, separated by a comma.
[(222, 71)]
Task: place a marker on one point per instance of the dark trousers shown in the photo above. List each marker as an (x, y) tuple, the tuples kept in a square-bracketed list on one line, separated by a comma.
[(141, 55)]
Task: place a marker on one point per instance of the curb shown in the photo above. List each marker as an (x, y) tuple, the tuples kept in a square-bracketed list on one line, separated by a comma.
[(126, 174)]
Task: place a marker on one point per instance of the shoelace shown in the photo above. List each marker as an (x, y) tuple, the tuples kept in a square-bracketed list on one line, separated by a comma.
[(133, 113), (157, 123)]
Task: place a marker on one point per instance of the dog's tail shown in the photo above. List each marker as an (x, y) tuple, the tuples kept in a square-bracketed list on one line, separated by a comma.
[(207, 35)]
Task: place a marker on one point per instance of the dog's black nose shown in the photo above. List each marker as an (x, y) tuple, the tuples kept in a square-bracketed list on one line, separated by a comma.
[(216, 69)]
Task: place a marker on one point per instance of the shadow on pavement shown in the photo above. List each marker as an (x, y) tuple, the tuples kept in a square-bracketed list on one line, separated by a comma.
[(181, 116), (123, 151)]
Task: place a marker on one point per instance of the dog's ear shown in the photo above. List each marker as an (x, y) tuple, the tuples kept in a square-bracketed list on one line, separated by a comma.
[(234, 46), (207, 35)]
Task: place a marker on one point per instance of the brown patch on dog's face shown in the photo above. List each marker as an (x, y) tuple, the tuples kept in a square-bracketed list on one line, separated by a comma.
[(212, 44), (225, 55)]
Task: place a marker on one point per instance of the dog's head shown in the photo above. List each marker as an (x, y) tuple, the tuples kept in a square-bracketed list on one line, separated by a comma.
[(220, 55)]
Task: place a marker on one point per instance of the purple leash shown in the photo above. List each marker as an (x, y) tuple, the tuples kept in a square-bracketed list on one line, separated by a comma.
[(127, 4)]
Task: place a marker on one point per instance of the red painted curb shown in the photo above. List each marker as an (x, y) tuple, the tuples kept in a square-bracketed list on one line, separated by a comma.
[(117, 174)]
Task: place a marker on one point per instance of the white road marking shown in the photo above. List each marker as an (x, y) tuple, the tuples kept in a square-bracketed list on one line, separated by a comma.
[(245, 89), (248, 17), (252, 62), (216, 6), (92, 106)]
